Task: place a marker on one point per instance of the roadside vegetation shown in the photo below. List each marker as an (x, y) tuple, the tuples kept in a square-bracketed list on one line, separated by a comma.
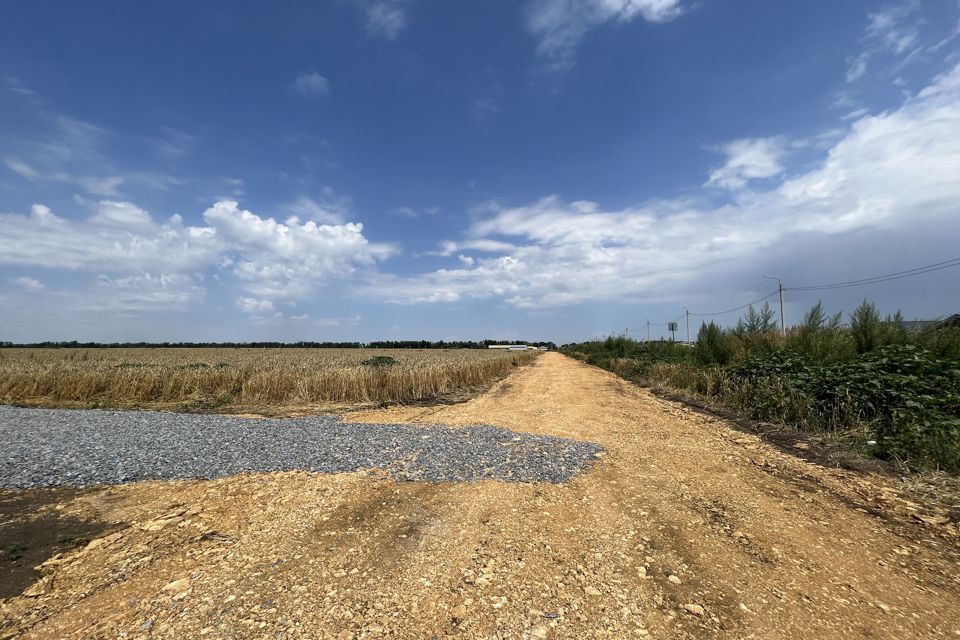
[(869, 381), (209, 379)]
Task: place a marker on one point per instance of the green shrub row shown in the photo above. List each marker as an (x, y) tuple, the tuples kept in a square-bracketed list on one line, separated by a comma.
[(870, 381)]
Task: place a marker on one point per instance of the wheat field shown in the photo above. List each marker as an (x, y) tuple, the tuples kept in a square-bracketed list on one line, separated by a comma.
[(217, 378)]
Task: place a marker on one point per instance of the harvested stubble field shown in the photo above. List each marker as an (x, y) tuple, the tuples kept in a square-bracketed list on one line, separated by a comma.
[(245, 378)]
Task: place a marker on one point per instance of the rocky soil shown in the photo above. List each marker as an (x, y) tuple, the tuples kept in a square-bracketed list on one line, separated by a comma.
[(56, 447)]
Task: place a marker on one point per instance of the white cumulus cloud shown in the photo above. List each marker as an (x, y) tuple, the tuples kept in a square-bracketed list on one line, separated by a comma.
[(287, 259), (105, 241), (270, 259)]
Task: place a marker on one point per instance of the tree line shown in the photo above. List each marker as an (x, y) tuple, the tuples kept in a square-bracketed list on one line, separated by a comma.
[(303, 344)]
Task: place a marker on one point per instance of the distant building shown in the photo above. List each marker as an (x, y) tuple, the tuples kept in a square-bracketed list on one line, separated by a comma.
[(932, 325), (949, 321), (511, 347)]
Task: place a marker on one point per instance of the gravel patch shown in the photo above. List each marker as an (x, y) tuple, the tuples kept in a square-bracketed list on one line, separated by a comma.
[(55, 447)]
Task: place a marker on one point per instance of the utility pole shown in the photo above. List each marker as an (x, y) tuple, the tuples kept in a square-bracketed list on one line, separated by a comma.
[(783, 321), (648, 331), (686, 312)]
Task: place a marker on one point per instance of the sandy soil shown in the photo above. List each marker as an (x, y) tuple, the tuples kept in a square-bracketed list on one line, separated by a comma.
[(685, 528)]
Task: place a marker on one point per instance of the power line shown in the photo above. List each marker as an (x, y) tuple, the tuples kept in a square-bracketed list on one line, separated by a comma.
[(909, 273), (743, 306), (897, 275)]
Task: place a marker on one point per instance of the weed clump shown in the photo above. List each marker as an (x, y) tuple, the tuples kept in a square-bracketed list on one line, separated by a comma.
[(13, 551), (380, 361)]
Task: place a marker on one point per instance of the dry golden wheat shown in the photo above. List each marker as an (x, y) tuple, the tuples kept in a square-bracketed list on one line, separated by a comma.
[(244, 376)]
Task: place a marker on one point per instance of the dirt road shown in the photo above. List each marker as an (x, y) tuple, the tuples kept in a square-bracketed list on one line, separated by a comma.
[(685, 528)]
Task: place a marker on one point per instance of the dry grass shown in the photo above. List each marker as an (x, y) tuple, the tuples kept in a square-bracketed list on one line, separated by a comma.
[(236, 377)]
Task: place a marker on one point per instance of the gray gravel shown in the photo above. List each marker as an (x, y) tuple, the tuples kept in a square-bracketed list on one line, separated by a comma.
[(54, 447)]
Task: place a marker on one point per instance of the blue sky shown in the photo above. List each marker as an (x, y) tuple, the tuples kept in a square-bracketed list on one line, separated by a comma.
[(550, 169)]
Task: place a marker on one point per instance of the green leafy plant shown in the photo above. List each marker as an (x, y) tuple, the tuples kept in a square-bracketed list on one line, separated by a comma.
[(902, 396), (72, 539), (14, 550)]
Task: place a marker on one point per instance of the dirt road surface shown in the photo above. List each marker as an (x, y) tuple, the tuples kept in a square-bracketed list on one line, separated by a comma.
[(684, 528)]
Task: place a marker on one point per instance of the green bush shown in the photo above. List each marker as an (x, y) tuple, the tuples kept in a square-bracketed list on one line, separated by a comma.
[(626, 356), (823, 346), (870, 332), (713, 345), (943, 342), (821, 339)]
